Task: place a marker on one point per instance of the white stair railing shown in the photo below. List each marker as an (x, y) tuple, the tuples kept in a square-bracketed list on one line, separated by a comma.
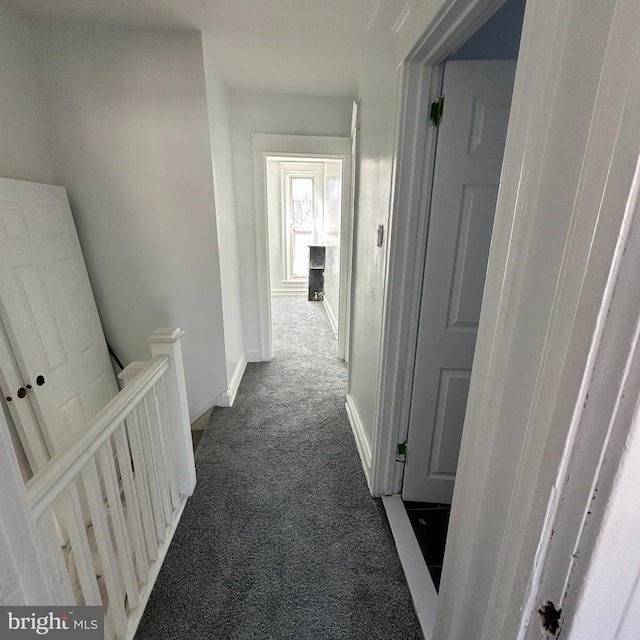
[(106, 508)]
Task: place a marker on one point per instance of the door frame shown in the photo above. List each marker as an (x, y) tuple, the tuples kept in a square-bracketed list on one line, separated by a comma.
[(414, 157), (267, 145), (590, 272)]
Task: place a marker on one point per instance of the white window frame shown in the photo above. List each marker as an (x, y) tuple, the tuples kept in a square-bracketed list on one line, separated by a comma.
[(316, 211)]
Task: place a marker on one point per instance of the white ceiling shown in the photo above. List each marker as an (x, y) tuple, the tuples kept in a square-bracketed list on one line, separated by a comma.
[(291, 46)]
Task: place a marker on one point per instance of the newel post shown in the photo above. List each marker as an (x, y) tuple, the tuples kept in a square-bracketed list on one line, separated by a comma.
[(167, 342)]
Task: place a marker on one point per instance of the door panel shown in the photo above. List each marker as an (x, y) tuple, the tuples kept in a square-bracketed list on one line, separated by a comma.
[(472, 249), (450, 403), (466, 177), (49, 313)]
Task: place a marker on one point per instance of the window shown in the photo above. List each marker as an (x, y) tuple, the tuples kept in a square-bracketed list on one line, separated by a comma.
[(302, 222)]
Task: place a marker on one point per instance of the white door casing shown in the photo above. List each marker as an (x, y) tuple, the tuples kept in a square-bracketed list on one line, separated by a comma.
[(289, 146), (49, 316), (467, 169), (349, 199)]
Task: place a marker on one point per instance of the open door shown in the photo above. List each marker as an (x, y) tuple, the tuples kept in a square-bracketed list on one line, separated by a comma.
[(470, 147)]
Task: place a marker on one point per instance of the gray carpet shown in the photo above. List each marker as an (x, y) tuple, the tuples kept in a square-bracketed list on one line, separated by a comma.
[(281, 539)]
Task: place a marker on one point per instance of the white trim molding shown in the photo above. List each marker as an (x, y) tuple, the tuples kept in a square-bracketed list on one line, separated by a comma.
[(423, 591), (253, 356), (359, 433), (283, 293), (301, 145), (214, 402), (291, 147), (332, 319), (201, 422), (295, 289), (229, 396), (587, 510), (403, 277)]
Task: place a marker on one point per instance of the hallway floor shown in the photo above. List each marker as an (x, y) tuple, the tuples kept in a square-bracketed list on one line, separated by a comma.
[(281, 539)]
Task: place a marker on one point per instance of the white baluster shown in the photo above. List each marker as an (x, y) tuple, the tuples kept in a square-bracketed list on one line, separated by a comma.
[(141, 477), (115, 609), (179, 443), (133, 518), (160, 409), (52, 551), (73, 522), (118, 524), (142, 485), (150, 469), (160, 468)]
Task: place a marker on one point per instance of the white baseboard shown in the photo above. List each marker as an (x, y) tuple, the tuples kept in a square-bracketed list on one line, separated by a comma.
[(200, 423), (253, 356), (421, 587), (332, 319), (290, 292), (206, 409), (229, 395), (360, 436)]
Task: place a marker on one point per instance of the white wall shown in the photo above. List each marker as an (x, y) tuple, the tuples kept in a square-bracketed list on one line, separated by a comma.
[(253, 112), (127, 112), (224, 181), (24, 150), (332, 222), (377, 114)]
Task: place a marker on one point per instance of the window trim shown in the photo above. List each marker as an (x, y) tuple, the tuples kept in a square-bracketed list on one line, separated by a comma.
[(287, 177)]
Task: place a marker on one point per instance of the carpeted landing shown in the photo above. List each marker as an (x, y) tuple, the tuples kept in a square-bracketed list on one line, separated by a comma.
[(281, 539)]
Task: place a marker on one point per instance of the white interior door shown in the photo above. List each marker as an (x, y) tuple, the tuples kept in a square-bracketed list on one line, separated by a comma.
[(61, 366), (467, 169)]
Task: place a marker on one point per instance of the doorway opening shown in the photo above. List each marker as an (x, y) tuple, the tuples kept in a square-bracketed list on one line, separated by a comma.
[(476, 82), (303, 199)]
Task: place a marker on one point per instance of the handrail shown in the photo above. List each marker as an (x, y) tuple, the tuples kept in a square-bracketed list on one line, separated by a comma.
[(47, 484)]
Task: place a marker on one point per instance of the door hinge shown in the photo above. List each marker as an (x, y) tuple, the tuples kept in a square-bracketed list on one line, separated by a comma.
[(401, 450), (436, 111)]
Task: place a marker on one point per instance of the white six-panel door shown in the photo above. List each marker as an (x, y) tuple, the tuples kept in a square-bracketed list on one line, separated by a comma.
[(47, 309), (470, 146)]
